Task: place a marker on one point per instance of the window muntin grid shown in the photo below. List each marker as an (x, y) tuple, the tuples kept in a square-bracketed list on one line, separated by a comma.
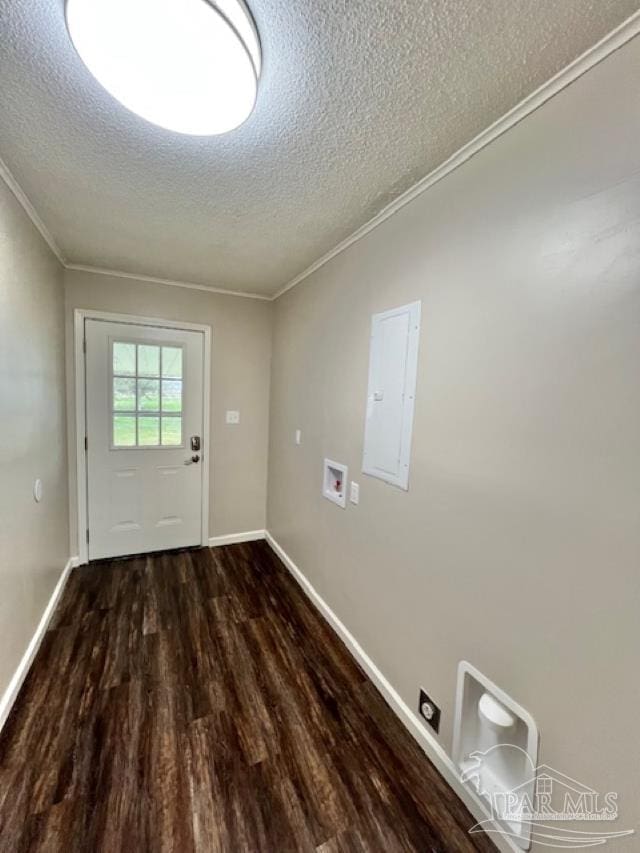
[(147, 395)]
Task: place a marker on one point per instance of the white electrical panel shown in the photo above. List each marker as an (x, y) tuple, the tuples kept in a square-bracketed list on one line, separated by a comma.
[(393, 364)]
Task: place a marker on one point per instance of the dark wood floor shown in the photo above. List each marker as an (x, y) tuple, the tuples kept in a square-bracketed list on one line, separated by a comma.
[(197, 701)]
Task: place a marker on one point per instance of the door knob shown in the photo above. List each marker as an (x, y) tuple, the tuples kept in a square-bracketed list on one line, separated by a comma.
[(194, 459)]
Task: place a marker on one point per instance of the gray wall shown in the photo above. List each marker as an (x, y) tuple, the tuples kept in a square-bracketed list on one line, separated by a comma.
[(33, 537), (518, 544), (240, 370)]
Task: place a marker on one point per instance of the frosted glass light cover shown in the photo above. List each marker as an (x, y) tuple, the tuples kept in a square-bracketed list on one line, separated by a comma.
[(190, 66)]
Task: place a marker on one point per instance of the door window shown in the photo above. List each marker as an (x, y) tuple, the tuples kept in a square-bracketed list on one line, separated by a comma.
[(147, 395)]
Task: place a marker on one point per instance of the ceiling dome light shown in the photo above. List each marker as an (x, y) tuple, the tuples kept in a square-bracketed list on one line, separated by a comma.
[(187, 65)]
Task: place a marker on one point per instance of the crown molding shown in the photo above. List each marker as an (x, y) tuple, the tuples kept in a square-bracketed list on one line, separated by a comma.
[(29, 209), (149, 279), (7, 176), (601, 50)]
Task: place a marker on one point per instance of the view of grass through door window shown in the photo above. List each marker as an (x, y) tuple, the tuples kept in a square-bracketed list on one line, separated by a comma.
[(147, 395)]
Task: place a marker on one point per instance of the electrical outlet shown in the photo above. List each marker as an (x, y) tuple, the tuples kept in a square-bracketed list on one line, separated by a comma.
[(354, 495), (233, 417), (429, 711)]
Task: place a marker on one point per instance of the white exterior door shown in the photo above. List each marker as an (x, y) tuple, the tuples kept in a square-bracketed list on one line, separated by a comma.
[(144, 399)]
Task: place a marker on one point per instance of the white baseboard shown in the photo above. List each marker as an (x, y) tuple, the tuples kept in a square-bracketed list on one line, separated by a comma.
[(11, 693), (434, 751), (233, 538)]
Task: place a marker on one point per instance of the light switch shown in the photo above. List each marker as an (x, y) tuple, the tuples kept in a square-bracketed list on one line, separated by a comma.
[(354, 494), (298, 437), (233, 417)]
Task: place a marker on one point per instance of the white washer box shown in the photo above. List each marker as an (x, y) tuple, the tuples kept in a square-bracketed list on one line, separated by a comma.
[(334, 483)]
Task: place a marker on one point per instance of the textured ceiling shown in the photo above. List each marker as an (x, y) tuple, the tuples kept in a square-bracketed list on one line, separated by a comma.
[(358, 100)]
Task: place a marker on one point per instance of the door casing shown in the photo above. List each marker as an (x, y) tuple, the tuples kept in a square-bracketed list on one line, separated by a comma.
[(80, 525)]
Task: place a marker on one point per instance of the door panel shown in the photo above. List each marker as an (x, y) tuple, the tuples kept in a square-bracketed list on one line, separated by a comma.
[(144, 404)]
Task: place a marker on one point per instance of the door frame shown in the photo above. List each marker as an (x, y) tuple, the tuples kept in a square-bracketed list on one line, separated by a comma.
[(79, 362)]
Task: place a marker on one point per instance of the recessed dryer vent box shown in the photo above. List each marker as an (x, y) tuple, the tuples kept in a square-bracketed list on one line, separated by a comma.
[(495, 748), (334, 484)]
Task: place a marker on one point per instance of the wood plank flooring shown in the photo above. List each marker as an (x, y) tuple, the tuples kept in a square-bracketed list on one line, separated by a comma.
[(196, 701)]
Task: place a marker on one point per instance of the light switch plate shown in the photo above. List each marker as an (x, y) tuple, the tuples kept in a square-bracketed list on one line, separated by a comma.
[(233, 417), (354, 493), (298, 437)]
